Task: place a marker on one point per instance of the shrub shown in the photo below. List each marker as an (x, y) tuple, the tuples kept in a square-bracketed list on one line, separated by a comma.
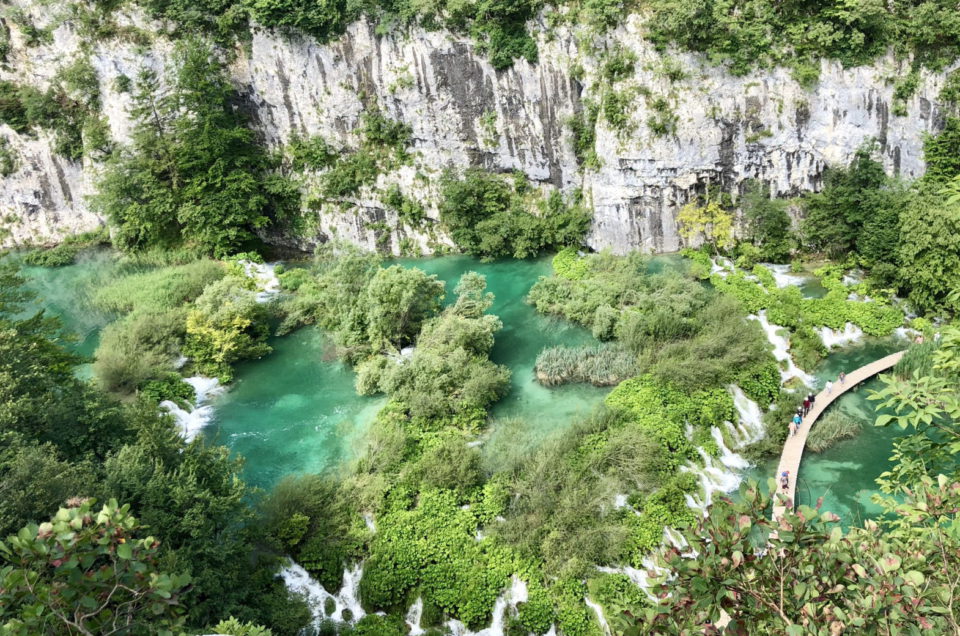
[(170, 386), (139, 347), (226, 324)]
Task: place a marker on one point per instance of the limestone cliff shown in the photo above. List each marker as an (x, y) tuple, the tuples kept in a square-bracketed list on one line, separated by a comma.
[(721, 129)]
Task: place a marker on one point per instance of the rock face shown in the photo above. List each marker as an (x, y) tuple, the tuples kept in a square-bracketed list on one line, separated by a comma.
[(722, 130)]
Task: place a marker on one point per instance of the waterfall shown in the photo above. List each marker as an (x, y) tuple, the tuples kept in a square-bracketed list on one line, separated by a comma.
[(850, 334), (782, 276), (508, 600), (751, 419), (641, 578), (853, 278), (712, 479), (265, 276), (781, 351), (298, 581), (600, 617), (906, 333), (413, 618), (721, 266), (191, 421), (727, 457)]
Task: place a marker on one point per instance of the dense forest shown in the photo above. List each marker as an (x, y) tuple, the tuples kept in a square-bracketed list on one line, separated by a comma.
[(114, 520)]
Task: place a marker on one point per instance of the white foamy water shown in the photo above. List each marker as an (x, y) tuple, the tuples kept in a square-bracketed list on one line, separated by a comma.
[(721, 265), (506, 602), (192, 420), (299, 581), (781, 350), (728, 458), (600, 617), (750, 428), (265, 276), (852, 278), (783, 277), (640, 578), (713, 478), (414, 614), (832, 338)]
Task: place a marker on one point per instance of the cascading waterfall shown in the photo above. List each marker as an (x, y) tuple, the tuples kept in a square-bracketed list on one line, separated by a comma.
[(751, 419), (721, 265), (600, 617), (507, 601), (783, 277), (722, 478), (728, 458), (298, 581), (265, 276), (413, 617), (713, 479), (191, 421), (832, 338), (906, 333), (781, 351)]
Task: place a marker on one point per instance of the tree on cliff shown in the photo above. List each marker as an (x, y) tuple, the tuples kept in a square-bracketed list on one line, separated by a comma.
[(193, 173), (708, 222)]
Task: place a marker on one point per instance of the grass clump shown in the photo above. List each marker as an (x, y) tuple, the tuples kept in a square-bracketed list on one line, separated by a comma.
[(66, 252), (138, 348), (603, 365), (830, 429), (158, 289)]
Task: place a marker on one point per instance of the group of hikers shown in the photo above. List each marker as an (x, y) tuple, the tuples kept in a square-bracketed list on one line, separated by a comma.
[(801, 413), (808, 401)]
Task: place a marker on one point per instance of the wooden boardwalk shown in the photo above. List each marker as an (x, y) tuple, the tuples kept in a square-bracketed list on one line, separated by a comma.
[(793, 448)]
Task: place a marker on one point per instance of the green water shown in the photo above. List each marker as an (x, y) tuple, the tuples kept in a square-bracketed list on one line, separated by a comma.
[(844, 475), (66, 292), (296, 411)]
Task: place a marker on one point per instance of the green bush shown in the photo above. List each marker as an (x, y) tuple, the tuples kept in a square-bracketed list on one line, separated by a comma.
[(169, 387), (225, 325), (383, 148), (432, 547), (138, 348), (487, 215)]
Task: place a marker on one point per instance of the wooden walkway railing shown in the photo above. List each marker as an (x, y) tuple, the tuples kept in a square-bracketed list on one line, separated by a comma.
[(793, 448)]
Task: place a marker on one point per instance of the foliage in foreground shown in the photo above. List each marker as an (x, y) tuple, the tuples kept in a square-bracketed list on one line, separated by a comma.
[(806, 574), (87, 571), (62, 438)]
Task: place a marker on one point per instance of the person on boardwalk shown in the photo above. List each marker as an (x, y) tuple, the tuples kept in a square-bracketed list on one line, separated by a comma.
[(812, 398), (806, 405), (796, 424), (785, 480), (843, 376), (828, 386)]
